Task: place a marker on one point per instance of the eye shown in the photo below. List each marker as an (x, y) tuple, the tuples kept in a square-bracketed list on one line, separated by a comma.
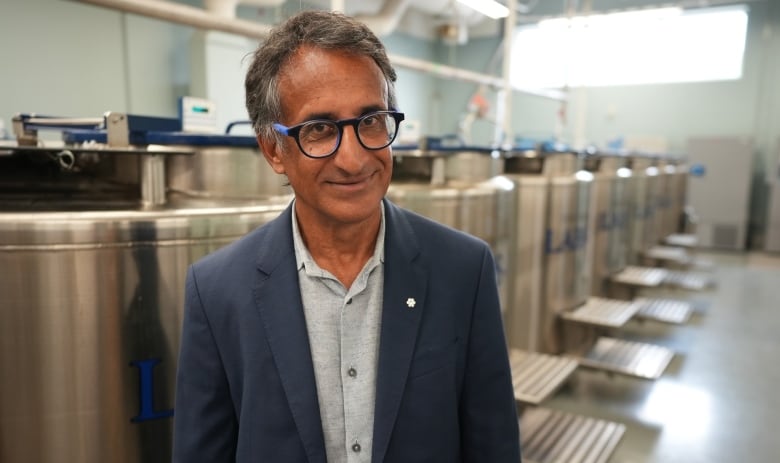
[(370, 120), (376, 121), (318, 130)]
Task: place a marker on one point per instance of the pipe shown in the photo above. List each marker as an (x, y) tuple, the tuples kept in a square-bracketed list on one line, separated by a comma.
[(449, 72), (227, 8), (187, 15), (262, 3), (388, 17), (446, 71), (507, 137), (338, 6), (196, 17), (221, 8)]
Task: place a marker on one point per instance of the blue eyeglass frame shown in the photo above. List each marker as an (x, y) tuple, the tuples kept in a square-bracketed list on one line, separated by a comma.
[(354, 122)]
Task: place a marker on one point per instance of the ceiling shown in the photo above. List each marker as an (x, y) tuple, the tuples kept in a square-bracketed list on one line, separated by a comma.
[(447, 8), (427, 18)]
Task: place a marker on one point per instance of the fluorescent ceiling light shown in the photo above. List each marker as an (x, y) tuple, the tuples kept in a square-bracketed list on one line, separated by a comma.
[(624, 17), (489, 8)]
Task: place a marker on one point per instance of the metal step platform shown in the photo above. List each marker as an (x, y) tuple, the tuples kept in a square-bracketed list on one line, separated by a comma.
[(629, 358), (689, 280), (678, 256), (550, 436), (649, 277), (536, 376), (664, 310), (608, 313), (675, 255), (682, 239)]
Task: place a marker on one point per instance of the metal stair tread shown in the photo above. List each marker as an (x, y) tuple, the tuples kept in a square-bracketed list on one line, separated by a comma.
[(689, 280), (664, 310), (536, 376), (612, 313), (551, 436), (629, 358), (670, 253), (641, 276), (682, 239)]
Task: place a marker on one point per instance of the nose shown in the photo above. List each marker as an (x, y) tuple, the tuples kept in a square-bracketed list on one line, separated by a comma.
[(350, 155)]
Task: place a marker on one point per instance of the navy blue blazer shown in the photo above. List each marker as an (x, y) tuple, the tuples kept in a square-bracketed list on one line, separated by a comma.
[(245, 384)]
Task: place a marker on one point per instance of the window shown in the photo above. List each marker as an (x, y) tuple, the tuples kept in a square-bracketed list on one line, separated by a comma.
[(637, 47)]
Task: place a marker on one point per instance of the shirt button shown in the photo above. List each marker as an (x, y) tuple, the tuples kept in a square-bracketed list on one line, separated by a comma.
[(356, 447), (352, 372)]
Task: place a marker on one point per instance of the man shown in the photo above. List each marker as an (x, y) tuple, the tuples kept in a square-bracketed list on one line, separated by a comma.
[(347, 329)]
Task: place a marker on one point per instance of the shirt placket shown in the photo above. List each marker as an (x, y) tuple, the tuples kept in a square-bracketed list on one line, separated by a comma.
[(353, 373)]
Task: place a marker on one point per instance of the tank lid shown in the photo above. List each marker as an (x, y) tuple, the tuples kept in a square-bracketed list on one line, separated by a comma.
[(538, 150), (76, 136), (440, 147), (593, 150)]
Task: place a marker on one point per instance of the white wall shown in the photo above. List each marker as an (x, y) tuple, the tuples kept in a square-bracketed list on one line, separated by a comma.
[(70, 59), (60, 58)]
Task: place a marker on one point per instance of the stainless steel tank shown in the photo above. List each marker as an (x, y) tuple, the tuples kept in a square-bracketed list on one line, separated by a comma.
[(552, 273), (642, 198), (666, 195), (654, 202), (224, 172), (609, 229), (91, 319), (456, 187), (679, 186), (524, 322), (91, 297)]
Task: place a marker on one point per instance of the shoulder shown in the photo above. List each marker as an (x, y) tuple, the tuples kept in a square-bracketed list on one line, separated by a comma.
[(243, 255)]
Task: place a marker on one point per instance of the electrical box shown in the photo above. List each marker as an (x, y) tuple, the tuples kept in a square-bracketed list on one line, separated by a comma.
[(197, 115), (773, 220), (719, 189)]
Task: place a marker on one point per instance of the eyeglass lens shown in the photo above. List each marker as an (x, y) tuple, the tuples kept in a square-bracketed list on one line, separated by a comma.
[(320, 138)]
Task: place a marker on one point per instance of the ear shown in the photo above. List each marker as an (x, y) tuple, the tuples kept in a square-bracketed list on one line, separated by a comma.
[(272, 152)]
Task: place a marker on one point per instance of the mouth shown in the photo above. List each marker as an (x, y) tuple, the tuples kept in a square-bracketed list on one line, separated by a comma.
[(352, 183)]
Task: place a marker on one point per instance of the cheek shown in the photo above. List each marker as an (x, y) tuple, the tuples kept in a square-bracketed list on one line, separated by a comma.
[(387, 160), (302, 172)]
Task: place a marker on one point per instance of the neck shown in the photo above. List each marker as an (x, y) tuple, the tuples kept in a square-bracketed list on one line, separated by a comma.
[(341, 249)]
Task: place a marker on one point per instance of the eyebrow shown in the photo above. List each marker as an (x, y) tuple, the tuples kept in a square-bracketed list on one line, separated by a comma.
[(332, 117)]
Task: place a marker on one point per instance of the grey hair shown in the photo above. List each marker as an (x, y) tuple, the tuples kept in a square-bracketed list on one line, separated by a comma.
[(322, 29)]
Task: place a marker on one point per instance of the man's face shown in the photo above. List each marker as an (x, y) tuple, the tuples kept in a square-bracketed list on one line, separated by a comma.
[(347, 186)]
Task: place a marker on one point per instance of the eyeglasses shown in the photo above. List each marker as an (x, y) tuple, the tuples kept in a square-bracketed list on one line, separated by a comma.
[(321, 138)]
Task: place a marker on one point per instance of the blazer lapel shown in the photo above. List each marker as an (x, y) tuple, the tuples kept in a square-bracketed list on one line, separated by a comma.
[(278, 299), (404, 301)]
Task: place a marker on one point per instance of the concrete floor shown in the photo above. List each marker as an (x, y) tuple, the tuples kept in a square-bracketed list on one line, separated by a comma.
[(719, 400)]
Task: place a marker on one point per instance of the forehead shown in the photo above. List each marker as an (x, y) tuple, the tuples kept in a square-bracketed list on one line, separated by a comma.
[(316, 79)]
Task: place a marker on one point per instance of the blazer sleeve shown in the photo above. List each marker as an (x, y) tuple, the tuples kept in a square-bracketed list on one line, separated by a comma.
[(205, 425), (488, 411)]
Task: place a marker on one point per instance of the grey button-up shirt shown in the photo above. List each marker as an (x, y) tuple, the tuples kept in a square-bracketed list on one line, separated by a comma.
[(343, 326)]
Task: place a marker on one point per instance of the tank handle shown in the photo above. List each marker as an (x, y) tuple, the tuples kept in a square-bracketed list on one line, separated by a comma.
[(235, 123)]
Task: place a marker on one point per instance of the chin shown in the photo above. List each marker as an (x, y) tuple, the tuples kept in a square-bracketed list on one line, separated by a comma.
[(350, 212)]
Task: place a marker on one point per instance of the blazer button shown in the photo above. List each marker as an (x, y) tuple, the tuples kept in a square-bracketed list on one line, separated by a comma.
[(352, 372), (356, 447)]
